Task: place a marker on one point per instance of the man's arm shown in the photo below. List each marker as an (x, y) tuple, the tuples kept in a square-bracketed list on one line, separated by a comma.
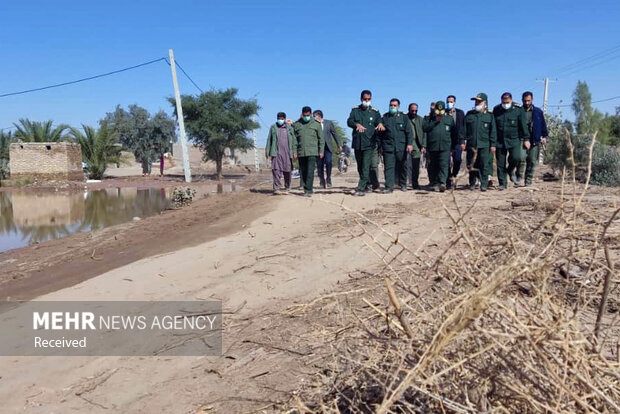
[(409, 134), (332, 131), (321, 137), (268, 145), (545, 133), (493, 135), (525, 131), (429, 124), (461, 126), (351, 121)]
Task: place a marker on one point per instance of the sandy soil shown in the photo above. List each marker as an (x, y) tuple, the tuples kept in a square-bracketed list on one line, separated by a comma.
[(262, 256)]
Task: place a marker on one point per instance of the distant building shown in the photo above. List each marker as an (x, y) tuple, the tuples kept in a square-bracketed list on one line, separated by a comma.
[(46, 161)]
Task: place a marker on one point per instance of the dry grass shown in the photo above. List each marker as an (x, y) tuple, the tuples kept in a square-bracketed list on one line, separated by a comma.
[(510, 317)]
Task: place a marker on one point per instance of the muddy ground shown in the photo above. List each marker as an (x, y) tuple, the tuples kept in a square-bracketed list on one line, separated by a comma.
[(271, 260)]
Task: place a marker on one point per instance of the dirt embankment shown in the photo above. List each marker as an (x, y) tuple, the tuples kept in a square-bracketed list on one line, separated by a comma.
[(301, 276)]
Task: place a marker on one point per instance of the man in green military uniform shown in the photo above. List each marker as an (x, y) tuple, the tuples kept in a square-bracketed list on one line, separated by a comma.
[(419, 143), (395, 143), (481, 138), (512, 136), (440, 133), (365, 121), (309, 143)]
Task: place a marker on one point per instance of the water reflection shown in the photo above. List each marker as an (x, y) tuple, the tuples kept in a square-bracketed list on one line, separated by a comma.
[(27, 218)]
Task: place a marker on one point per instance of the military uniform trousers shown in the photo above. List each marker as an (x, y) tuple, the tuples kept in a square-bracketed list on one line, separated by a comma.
[(395, 168), (529, 164), (438, 167), (306, 172), (479, 164), (367, 165), (508, 160)]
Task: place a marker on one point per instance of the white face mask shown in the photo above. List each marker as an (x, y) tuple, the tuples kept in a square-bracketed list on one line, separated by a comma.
[(366, 103), (450, 105), (507, 106), (480, 107)]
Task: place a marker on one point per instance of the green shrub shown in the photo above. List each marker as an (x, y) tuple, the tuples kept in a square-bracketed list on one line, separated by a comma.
[(183, 196), (605, 159)]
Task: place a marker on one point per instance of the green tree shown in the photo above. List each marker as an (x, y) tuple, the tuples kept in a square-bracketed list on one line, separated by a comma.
[(5, 141), (587, 119), (341, 134), (216, 120), (99, 148), (35, 131), (146, 137)]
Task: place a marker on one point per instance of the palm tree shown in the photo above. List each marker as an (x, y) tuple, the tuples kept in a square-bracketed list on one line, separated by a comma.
[(5, 141), (35, 131), (99, 148)]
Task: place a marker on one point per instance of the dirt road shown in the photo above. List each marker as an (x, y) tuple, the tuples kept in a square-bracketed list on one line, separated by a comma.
[(262, 256)]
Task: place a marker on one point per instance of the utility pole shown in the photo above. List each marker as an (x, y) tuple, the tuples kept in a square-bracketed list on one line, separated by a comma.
[(256, 166), (546, 92), (177, 97), (546, 95)]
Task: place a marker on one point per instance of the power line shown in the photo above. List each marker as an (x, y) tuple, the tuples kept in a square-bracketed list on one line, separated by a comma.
[(83, 79), (592, 65), (176, 62), (601, 100), (589, 59)]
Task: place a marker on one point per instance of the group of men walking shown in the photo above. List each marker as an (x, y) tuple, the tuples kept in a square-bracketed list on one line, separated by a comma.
[(510, 135)]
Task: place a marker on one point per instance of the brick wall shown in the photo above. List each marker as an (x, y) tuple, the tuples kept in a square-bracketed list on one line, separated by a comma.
[(46, 161)]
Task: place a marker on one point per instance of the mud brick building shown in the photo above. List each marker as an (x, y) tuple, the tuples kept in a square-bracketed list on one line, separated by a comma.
[(46, 161)]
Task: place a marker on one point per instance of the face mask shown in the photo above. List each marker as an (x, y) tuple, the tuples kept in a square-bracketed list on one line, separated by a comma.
[(393, 110), (480, 107), (280, 122), (366, 103), (307, 118), (506, 106), (316, 118), (450, 105)]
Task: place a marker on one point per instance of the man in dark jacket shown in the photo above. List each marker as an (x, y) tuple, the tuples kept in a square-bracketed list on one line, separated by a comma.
[(365, 121), (440, 133), (419, 144), (324, 165), (459, 121), (513, 138), (395, 143), (538, 137)]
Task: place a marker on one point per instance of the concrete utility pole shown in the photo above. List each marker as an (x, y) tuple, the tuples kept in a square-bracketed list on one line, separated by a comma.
[(177, 97), (546, 95), (256, 166)]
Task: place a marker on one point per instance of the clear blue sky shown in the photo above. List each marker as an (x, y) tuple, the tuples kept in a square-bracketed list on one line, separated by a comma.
[(317, 53)]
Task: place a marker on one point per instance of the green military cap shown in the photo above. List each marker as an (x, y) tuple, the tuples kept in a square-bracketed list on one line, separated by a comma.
[(440, 105), (480, 97)]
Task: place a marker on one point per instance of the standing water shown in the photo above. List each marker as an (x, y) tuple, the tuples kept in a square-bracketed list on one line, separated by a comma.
[(28, 218)]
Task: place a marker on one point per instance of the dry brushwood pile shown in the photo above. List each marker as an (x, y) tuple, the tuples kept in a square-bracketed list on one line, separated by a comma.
[(518, 316)]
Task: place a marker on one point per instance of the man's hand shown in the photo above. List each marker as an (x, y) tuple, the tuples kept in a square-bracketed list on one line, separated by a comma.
[(321, 156), (294, 155), (289, 121), (423, 150), (409, 148), (360, 128), (527, 145), (380, 128), (462, 147), (543, 142), (492, 150), (340, 148)]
